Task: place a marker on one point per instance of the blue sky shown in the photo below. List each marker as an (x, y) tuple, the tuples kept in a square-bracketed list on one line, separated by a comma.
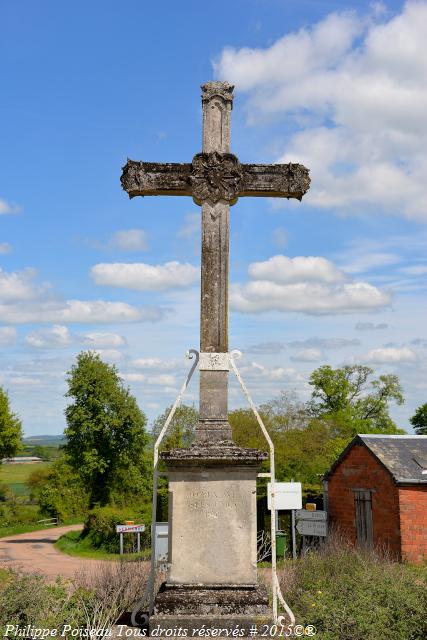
[(339, 278)]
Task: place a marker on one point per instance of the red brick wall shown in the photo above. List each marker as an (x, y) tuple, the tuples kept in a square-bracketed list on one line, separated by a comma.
[(361, 470), (413, 522)]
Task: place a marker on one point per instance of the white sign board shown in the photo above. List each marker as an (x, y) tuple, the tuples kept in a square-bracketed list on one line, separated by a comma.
[(130, 528), (319, 516), (162, 541), (287, 495), (312, 528)]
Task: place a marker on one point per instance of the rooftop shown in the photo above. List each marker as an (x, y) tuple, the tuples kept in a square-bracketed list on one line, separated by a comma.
[(404, 456)]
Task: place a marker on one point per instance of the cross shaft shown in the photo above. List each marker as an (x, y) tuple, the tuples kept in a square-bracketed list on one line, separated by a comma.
[(215, 179)]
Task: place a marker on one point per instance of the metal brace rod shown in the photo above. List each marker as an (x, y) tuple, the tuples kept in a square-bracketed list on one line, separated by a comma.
[(277, 593), (149, 590)]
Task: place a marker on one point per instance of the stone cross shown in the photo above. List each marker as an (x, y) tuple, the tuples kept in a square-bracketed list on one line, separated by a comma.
[(215, 179)]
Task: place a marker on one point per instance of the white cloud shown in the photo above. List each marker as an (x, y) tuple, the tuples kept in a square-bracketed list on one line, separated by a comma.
[(308, 285), (415, 270), (111, 355), (5, 248), (57, 336), (366, 261), (7, 336), (257, 370), (99, 339), (24, 381), (145, 277), (129, 240), (19, 285), (357, 87), (370, 326), (80, 311), (307, 355), (281, 270), (389, 355), (134, 377), (266, 348), (7, 207), (154, 363), (22, 300), (162, 379)]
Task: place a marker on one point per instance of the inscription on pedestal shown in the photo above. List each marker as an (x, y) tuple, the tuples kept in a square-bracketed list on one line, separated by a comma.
[(213, 526)]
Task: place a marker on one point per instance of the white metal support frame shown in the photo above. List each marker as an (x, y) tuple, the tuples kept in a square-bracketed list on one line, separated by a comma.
[(149, 591), (277, 594)]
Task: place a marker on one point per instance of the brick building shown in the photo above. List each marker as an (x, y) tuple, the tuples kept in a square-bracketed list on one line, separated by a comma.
[(376, 492)]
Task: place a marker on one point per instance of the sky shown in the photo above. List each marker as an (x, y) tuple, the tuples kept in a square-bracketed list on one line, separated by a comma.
[(340, 278)]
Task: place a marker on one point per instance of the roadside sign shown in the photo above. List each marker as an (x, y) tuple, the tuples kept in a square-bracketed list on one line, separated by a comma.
[(130, 528), (287, 495), (312, 528), (162, 541), (319, 516)]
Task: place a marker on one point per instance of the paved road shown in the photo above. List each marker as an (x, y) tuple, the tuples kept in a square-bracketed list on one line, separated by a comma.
[(35, 551)]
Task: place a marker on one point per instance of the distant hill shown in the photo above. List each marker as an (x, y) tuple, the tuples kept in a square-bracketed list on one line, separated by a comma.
[(53, 441)]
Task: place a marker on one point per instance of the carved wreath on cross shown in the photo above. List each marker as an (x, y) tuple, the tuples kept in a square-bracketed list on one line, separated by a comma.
[(216, 176)]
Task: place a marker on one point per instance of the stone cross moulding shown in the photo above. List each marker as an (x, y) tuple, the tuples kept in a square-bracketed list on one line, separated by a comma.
[(215, 179)]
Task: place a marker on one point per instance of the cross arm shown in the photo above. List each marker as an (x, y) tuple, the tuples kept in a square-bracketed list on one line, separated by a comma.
[(214, 177), (156, 179), (274, 180)]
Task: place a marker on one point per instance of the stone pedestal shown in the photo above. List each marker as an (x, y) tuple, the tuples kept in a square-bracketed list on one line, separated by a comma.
[(212, 541)]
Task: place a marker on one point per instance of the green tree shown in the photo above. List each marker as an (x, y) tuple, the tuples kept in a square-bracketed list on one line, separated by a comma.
[(181, 430), (10, 428), (351, 402), (59, 491), (105, 431), (419, 420), (42, 452)]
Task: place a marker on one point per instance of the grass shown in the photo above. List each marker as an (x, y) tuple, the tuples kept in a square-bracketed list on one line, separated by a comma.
[(353, 594), (4, 575), (16, 475), (73, 545)]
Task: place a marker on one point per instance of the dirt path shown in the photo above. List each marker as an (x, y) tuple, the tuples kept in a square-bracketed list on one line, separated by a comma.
[(35, 552)]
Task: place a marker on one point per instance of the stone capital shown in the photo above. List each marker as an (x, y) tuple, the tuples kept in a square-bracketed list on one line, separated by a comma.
[(223, 90)]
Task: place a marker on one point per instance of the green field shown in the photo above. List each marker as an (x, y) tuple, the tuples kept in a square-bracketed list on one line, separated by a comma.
[(16, 475)]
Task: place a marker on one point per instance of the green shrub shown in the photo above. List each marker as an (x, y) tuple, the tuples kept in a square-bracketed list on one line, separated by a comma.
[(61, 494), (100, 527), (5, 492), (14, 512), (350, 595), (26, 599)]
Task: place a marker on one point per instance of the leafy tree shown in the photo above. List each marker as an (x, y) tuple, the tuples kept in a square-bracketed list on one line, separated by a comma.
[(419, 420), (42, 452), (353, 403), (105, 431), (10, 428), (181, 430), (285, 412), (59, 491)]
